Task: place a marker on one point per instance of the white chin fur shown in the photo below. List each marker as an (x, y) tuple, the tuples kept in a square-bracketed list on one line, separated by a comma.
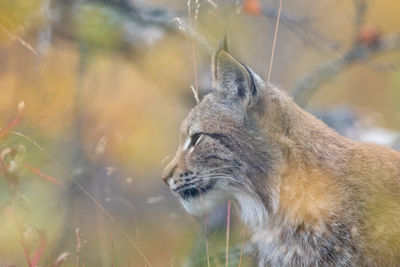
[(252, 210), (199, 205)]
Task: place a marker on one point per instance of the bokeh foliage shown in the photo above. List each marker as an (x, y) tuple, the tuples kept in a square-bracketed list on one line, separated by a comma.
[(105, 89)]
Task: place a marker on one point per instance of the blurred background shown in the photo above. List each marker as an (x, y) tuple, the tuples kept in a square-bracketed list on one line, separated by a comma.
[(92, 93)]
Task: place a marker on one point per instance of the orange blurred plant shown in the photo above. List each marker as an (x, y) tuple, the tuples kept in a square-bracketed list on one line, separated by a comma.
[(9, 166)]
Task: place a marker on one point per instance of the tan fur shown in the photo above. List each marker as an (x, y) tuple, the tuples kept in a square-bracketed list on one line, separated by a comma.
[(313, 197), (325, 170), (307, 197)]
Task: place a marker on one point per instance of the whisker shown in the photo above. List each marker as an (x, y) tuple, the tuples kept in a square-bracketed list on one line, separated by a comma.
[(214, 177), (216, 168), (211, 176), (219, 177), (225, 178), (208, 171)]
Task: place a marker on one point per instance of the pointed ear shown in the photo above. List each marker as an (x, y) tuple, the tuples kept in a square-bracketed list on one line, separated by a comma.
[(232, 78)]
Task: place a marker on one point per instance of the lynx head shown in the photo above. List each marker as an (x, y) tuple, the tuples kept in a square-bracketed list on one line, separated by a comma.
[(222, 153)]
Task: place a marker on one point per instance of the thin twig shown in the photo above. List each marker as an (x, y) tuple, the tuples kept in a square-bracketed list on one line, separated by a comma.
[(242, 248), (301, 28), (78, 245), (194, 56), (274, 42), (110, 217), (228, 221), (97, 203), (205, 233), (310, 83), (18, 39)]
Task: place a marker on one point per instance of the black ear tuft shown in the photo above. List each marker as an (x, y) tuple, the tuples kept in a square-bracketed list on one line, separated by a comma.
[(224, 44)]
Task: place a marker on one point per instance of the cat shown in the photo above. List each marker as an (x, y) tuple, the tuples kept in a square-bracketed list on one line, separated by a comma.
[(309, 196)]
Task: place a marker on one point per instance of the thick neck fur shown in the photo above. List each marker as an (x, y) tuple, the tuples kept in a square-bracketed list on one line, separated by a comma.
[(308, 149), (333, 200), (305, 185), (305, 141)]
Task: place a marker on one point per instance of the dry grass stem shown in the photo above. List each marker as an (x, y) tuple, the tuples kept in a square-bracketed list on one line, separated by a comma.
[(228, 221), (274, 42)]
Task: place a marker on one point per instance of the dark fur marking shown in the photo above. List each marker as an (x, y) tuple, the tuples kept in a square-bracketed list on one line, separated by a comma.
[(222, 139), (253, 89), (213, 156), (241, 87), (192, 192)]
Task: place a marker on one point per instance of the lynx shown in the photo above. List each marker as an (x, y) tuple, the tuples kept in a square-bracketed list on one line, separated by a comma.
[(309, 196)]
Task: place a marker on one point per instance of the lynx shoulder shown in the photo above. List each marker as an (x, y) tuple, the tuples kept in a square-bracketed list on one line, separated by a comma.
[(309, 196)]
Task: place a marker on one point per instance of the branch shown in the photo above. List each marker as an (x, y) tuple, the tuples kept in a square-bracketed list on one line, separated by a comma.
[(164, 18), (308, 85), (129, 15), (301, 28), (361, 10)]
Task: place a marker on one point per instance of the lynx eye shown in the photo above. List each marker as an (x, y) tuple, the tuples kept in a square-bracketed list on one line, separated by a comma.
[(195, 138), (192, 140)]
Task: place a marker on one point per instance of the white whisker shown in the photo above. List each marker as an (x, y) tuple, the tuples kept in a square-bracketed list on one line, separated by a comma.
[(211, 177), (202, 173)]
